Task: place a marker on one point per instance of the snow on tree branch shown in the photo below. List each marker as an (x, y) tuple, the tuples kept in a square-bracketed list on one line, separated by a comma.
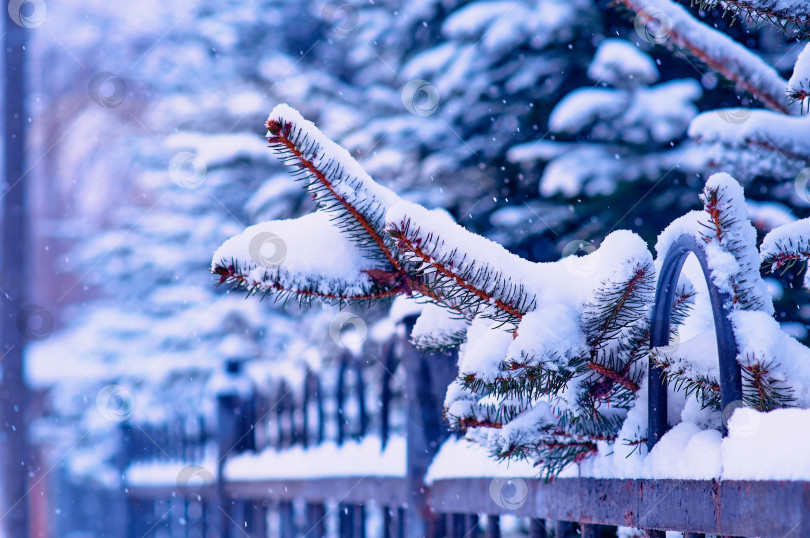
[(730, 242), (588, 356), (619, 117), (277, 257), (715, 49), (753, 142), (551, 355), (441, 254), (798, 90), (334, 179), (786, 246), (782, 13)]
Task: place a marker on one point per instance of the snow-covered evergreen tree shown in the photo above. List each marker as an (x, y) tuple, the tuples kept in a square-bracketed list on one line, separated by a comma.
[(139, 245), (629, 124)]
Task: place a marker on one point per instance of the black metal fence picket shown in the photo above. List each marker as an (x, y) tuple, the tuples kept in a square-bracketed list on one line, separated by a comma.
[(366, 400)]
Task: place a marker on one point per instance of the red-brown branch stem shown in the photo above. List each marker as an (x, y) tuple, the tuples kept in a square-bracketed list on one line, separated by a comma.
[(406, 244), (281, 135)]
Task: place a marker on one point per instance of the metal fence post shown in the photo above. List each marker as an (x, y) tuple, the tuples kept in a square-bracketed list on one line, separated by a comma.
[(134, 508), (537, 528), (730, 377), (235, 434), (590, 530), (564, 529), (315, 512), (427, 377)]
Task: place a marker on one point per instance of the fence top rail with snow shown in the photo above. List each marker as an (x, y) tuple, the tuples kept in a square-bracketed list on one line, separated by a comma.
[(327, 448)]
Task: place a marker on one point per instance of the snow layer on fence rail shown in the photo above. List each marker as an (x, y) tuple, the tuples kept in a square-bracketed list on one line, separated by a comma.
[(352, 458), (168, 473), (459, 458), (760, 446)]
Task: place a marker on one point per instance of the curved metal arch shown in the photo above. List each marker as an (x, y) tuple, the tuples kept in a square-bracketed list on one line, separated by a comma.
[(730, 377)]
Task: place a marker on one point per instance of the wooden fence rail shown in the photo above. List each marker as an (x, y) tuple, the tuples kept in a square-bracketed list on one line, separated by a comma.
[(201, 497)]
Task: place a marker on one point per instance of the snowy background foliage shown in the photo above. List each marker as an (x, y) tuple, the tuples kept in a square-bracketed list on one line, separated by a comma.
[(542, 125)]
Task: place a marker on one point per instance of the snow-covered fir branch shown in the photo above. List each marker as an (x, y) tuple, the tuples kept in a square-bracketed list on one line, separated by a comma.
[(672, 23), (787, 14), (551, 355), (460, 280), (756, 143), (786, 246), (336, 182), (798, 89)]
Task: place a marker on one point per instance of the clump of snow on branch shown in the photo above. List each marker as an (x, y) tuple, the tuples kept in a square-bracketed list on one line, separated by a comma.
[(620, 63), (288, 255), (798, 88), (751, 142), (786, 246)]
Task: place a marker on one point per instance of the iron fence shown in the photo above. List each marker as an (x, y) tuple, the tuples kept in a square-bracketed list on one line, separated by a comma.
[(401, 504)]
